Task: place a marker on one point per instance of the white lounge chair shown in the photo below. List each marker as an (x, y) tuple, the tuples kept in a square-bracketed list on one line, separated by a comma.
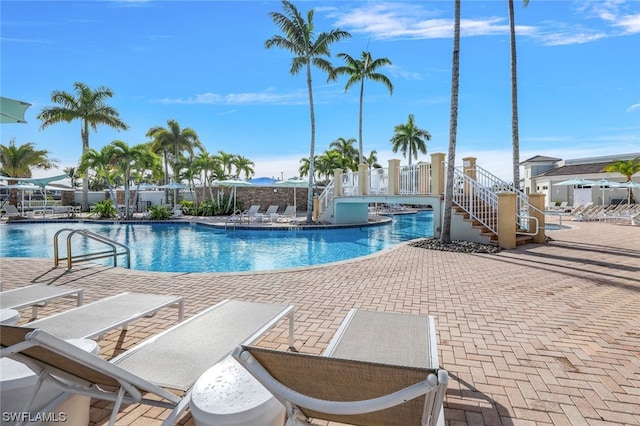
[(266, 216), (249, 214), (37, 296), (10, 210), (380, 369), (174, 359), (288, 215), (95, 319)]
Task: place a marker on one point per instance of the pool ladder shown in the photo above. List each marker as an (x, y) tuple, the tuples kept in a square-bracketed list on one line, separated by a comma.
[(233, 219), (115, 248)]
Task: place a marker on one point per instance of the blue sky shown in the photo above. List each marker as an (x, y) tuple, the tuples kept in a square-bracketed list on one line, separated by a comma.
[(204, 64)]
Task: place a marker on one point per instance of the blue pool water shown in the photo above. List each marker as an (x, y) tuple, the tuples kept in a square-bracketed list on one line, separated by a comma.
[(175, 247)]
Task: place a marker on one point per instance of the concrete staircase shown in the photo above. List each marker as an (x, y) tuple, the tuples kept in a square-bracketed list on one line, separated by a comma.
[(484, 230)]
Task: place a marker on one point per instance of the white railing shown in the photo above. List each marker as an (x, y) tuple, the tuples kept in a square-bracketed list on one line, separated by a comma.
[(409, 180), (327, 195), (378, 181), (350, 182), (480, 202)]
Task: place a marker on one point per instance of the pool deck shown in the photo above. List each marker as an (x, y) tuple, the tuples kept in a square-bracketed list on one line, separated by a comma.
[(543, 334)]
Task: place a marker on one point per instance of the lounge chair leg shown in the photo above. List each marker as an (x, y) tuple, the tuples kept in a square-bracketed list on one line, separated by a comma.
[(116, 407)]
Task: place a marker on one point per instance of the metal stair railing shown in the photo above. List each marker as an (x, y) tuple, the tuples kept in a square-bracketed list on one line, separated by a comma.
[(112, 252), (527, 224), (480, 202)]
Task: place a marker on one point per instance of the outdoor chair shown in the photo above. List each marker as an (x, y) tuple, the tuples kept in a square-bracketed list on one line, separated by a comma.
[(288, 214), (37, 296), (379, 369), (173, 359), (249, 214), (266, 216), (10, 210), (93, 320)]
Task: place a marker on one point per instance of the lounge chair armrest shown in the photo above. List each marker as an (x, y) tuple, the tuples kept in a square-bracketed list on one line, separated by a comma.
[(285, 393)]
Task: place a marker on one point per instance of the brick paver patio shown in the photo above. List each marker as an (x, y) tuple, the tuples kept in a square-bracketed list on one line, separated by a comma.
[(544, 334)]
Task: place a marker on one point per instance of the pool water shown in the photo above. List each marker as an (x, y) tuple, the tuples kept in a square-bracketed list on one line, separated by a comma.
[(179, 247)]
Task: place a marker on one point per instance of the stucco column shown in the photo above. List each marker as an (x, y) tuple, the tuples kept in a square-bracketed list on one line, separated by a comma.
[(337, 182), (537, 201), (469, 169), (394, 177), (423, 178), (316, 208), (437, 173), (507, 220), (363, 187)]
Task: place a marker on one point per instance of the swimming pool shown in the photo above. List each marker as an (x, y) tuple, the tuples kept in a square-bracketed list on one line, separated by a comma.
[(182, 247)]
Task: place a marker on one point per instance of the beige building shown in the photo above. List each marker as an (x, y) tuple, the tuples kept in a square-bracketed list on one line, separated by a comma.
[(543, 175)]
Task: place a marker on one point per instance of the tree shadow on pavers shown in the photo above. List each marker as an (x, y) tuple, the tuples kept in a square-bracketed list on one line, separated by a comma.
[(53, 275), (496, 414), (583, 266), (598, 248)]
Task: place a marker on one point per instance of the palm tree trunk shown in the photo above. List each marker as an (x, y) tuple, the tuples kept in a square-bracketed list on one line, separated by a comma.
[(312, 148), (514, 99), (445, 235), (360, 147), (85, 179)]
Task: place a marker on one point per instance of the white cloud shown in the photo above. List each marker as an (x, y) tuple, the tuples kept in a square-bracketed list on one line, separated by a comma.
[(269, 96), (633, 107)]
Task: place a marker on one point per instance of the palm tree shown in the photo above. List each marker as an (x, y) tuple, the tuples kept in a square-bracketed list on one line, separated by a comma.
[(358, 71), (243, 165), (308, 47), (72, 172), (514, 96), (372, 159), (88, 106), (445, 235), (17, 162), (348, 152), (409, 137), (207, 163), (102, 165), (178, 141), (227, 161), (626, 168)]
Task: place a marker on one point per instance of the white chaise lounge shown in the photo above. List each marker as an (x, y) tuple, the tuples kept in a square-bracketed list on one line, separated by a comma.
[(37, 296)]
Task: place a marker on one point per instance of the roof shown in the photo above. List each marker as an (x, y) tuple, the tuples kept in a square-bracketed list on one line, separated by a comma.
[(541, 159), (576, 169)]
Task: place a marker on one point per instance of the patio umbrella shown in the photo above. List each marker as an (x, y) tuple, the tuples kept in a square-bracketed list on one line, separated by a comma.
[(630, 185), (603, 183), (577, 182), (175, 186), (233, 183), (294, 183), (12, 111)]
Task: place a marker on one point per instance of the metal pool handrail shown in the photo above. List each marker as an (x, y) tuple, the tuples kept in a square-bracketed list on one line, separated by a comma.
[(85, 257)]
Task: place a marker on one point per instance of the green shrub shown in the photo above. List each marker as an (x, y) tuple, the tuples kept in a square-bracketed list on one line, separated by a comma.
[(160, 213), (104, 209)]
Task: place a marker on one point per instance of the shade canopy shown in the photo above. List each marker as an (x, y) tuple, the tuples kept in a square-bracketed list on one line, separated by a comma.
[(295, 183), (12, 111), (233, 182), (577, 181)]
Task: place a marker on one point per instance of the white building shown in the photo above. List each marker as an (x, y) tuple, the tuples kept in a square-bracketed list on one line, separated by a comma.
[(542, 175)]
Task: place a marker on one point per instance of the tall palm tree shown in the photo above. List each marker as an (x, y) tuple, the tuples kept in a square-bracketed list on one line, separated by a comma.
[(445, 235), (358, 71), (175, 140), (626, 168), (308, 47), (87, 105), (515, 137), (17, 162), (411, 138)]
